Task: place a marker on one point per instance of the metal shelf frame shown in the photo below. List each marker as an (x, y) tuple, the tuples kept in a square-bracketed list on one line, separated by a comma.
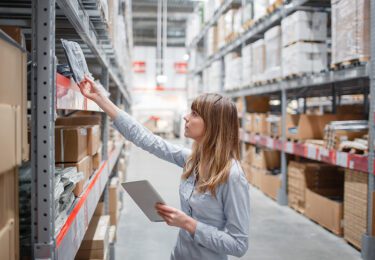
[(348, 80), (65, 244)]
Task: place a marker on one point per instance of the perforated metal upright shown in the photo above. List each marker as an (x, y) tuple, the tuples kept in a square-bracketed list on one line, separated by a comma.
[(43, 139), (368, 239)]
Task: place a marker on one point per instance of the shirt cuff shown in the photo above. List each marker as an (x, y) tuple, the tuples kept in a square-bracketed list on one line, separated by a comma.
[(200, 235)]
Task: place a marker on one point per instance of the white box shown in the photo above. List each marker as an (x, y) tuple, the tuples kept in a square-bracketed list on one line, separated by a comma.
[(247, 12), (303, 57), (304, 26), (259, 60), (260, 8), (247, 65), (272, 39)]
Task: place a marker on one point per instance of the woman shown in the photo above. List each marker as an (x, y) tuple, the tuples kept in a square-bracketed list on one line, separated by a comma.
[(214, 193)]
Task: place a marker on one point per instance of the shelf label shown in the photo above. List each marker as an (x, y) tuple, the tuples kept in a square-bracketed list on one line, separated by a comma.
[(342, 159), (311, 152), (289, 147), (270, 143)]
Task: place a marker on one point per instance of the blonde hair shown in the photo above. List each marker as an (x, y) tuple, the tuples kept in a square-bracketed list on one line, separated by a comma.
[(212, 157)]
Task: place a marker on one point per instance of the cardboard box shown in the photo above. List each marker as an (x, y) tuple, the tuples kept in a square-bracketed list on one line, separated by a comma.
[(302, 175), (259, 123), (7, 241), (85, 166), (9, 213), (325, 211), (270, 185), (71, 143), (266, 159), (15, 33), (99, 210), (97, 159), (257, 176), (273, 123), (10, 141), (93, 129), (355, 206), (113, 200), (13, 86), (96, 240)]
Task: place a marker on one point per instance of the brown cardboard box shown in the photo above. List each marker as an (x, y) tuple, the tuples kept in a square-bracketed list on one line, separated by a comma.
[(270, 185), (10, 137), (96, 240), (93, 129), (302, 175), (325, 211), (257, 104), (99, 211), (257, 176), (113, 200), (85, 166), (97, 159), (13, 86), (9, 212), (15, 33), (7, 241), (266, 159), (71, 143), (259, 123), (355, 206)]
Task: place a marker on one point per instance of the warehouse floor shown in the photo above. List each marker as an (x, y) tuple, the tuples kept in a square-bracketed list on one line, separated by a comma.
[(276, 232)]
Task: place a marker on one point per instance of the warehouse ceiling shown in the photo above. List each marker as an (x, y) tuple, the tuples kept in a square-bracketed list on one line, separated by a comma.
[(145, 21)]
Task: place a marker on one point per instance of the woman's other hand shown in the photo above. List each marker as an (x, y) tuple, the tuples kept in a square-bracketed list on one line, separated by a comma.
[(177, 218)]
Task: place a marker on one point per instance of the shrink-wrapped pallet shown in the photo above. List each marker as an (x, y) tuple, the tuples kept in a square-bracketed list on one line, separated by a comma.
[(247, 65), (350, 30), (259, 60), (272, 40), (304, 57), (304, 26)]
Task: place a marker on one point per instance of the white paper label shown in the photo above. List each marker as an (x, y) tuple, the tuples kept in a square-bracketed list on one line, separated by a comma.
[(289, 147), (342, 159), (269, 142), (311, 152)]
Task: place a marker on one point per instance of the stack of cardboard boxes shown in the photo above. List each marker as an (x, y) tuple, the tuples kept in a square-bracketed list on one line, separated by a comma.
[(304, 36), (262, 168), (77, 144), (313, 187), (13, 140)]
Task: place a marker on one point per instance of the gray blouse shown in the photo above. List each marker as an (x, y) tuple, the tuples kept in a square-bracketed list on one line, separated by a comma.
[(223, 222)]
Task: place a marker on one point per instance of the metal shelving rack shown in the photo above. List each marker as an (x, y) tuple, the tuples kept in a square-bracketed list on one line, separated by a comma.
[(44, 22), (349, 80)]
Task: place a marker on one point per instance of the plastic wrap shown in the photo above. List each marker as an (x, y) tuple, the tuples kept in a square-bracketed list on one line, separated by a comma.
[(247, 12), (233, 65), (272, 39), (260, 8), (247, 65), (350, 30), (304, 57), (259, 60), (304, 26), (214, 77)]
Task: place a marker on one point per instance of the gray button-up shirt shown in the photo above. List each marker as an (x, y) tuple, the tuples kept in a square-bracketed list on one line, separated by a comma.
[(223, 222)]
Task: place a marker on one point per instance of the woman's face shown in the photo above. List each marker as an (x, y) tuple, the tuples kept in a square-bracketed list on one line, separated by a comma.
[(194, 126)]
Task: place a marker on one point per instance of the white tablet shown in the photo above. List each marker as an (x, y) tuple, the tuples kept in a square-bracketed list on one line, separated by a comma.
[(146, 197)]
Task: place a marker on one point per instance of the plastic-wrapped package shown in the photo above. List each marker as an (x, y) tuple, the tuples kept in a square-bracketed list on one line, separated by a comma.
[(59, 189), (260, 8), (233, 64), (350, 30), (304, 26), (247, 65), (247, 12), (272, 40), (215, 77), (304, 57), (76, 59), (259, 60), (221, 31)]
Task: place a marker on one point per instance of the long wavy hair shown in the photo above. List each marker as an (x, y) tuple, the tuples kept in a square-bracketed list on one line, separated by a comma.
[(212, 157)]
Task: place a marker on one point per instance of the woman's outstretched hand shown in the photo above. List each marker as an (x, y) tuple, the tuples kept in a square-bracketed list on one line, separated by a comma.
[(177, 218), (89, 89)]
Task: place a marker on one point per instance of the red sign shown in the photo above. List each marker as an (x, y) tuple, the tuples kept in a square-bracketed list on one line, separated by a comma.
[(139, 66), (180, 67)]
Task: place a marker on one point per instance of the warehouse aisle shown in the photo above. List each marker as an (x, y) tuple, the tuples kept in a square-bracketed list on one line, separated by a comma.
[(276, 232)]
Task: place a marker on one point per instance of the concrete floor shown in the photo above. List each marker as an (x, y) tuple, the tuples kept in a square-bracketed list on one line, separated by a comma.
[(276, 232)]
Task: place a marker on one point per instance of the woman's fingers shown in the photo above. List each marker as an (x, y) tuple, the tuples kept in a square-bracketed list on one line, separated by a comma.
[(165, 208), (87, 78)]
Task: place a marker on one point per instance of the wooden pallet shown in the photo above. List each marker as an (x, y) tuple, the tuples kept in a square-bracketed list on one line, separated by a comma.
[(231, 37), (249, 23), (350, 63), (295, 75), (274, 6)]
